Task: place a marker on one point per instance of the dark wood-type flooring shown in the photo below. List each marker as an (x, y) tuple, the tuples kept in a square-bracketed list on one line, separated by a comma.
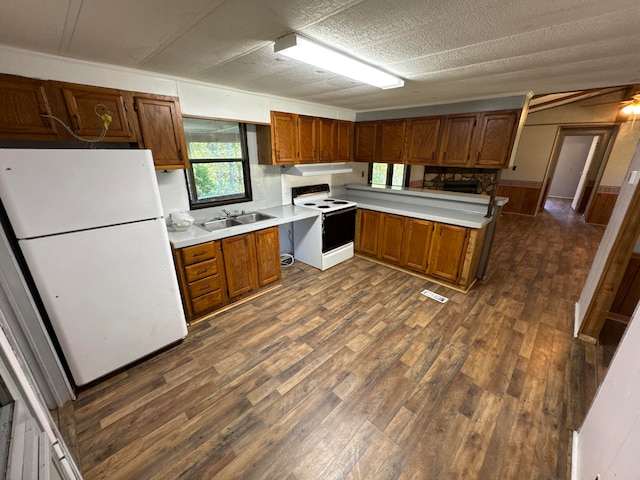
[(352, 374)]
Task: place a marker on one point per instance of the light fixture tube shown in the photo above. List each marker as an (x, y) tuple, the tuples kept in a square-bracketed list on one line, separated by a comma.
[(305, 50)]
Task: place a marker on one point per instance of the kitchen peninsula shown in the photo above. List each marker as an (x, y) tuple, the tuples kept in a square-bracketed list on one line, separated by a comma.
[(444, 235)]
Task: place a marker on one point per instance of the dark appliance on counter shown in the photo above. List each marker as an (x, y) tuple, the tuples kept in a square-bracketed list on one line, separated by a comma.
[(462, 186), (327, 240)]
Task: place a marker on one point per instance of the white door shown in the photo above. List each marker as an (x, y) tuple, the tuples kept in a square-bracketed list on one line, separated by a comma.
[(111, 294)]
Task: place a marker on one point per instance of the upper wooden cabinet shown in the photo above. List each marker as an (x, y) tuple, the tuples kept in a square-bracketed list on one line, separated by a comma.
[(292, 138), (152, 121), (307, 139), (422, 141), (365, 136), (457, 136), (85, 106), (391, 141), (327, 139), (481, 140), (344, 137), (284, 137), (497, 132), (162, 130), (23, 101)]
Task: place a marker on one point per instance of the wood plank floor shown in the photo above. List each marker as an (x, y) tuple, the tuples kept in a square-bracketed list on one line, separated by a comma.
[(352, 374)]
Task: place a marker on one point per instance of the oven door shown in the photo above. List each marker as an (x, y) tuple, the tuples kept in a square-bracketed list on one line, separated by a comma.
[(338, 228)]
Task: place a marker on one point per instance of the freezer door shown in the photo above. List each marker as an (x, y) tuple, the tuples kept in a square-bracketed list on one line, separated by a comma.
[(54, 191), (111, 294)]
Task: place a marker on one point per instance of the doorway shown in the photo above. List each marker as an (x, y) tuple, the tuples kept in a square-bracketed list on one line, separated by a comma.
[(577, 162)]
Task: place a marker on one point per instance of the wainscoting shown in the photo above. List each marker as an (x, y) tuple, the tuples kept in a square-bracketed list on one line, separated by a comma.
[(523, 196), (602, 205)]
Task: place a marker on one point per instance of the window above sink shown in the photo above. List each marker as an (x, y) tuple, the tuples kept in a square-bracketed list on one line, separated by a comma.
[(219, 162)]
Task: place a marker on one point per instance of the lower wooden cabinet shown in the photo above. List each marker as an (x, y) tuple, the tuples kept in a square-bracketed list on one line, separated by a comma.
[(268, 255), (391, 237), (447, 251), (202, 280), (442, 251), (240, 265), (416, 241), (212, 274), (368, 233)]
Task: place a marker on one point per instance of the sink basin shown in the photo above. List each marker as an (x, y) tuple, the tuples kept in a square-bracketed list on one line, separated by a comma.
[(213, 225), (219, 224), (252, 217)]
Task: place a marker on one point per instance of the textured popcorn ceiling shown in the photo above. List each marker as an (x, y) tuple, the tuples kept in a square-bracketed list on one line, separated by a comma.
[(445, 50)]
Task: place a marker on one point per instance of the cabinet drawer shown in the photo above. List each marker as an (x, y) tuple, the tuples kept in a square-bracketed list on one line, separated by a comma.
[(206, 302), (201, 270), (204, 286), (198, 253)]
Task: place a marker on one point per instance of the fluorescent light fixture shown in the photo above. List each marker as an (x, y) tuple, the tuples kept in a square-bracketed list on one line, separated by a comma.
[(305, 50)]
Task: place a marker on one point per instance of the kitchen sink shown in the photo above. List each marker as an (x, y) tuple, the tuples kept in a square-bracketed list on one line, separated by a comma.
[(213, 225), (244, 219), (252, 217)]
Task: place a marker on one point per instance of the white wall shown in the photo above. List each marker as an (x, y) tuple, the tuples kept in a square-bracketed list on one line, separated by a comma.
[(608, 443), (571, 160)]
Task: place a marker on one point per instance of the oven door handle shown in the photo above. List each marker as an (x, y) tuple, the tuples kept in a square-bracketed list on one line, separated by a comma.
[(339, 212)]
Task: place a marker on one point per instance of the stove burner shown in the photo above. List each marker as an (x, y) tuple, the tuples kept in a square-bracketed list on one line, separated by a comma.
[(339, 202), (309, 204), (324, 206), (329, 200)]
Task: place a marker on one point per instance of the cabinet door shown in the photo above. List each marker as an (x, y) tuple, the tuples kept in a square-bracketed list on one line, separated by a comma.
[(268, 255), (391, 237), (416, 244), (448, 246), (456, 140), (391, 138), (86, 104), (496, 136), (162, 131), (344, 136), (370, 223), (365, 134), (327, 139), (239, 255), (284, 138), (422, 141), (23, 101), (307, 139)]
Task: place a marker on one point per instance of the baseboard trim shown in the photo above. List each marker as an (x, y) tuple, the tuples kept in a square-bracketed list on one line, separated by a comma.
[(574, 456)]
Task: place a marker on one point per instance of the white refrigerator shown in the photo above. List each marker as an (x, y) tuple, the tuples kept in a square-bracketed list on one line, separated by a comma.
[(90, 226)]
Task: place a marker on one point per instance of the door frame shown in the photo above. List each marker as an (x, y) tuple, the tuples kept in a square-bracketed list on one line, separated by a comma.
[(605, 133)]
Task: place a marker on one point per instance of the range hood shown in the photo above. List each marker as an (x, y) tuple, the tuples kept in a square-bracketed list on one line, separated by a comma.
[(311, 169)]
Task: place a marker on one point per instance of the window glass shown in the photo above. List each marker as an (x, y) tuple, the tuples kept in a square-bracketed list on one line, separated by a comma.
[(379, 173), (397, 177), (219, 173)]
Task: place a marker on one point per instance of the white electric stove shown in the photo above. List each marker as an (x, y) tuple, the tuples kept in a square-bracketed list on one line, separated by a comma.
[(327, 240)]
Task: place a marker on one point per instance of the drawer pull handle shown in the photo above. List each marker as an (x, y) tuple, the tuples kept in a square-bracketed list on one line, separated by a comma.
[(204, 287), (202, 271), (198, 254)]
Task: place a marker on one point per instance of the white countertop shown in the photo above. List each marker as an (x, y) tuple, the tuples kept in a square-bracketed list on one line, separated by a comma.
[(283, 214), (423, 212), (462, 209)]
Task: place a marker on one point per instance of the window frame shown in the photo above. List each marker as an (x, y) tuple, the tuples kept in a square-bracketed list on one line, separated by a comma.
[(222, 200), (390, 166)]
